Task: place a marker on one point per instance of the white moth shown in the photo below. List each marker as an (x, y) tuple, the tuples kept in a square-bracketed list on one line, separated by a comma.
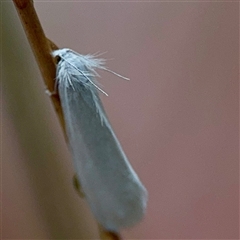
[(111, 187)]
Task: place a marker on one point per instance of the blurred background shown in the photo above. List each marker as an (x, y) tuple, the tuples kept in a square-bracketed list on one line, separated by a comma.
[(177, 119)]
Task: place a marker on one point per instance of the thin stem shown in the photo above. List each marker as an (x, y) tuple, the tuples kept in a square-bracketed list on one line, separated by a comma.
[(41, 48), (106, 235)]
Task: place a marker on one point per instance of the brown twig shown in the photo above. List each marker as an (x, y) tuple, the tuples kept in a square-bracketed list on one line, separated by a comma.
[(107, 235), (42, 47)]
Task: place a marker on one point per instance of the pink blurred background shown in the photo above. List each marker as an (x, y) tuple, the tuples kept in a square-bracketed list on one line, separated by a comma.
[(177, 118)]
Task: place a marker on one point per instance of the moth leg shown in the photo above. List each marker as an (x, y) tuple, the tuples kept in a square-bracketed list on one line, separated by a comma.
[(49, 93), (77, 186), (54, 92)]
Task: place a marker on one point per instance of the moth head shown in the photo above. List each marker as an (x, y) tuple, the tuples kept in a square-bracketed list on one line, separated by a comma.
[(59, 54)]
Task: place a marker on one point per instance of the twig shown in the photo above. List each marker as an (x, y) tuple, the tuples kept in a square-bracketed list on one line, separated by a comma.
[(41, 47), (106, 235)]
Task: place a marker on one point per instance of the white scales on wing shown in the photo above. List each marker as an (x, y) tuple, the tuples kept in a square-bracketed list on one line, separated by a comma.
[(113, 190)]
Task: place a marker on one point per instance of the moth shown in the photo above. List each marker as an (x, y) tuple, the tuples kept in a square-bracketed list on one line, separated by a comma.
[(111, 187)]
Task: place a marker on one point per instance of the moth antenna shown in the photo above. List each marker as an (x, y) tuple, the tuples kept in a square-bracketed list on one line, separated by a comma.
[(108, 70), (98, 53), (102, 67)]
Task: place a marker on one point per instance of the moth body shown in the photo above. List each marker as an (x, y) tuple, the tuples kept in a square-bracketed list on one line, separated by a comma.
[(113, 190)]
